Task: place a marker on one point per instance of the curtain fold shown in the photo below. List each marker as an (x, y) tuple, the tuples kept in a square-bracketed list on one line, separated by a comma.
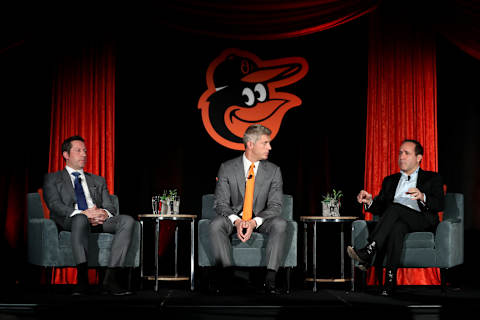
[(401, 104), (262, 19), (83, 103)]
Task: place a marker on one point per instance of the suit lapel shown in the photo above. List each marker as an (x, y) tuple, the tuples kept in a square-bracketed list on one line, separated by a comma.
[(420, 178), (262, 172), (67, 182), (240, 176), (393, 186), (92, 187)]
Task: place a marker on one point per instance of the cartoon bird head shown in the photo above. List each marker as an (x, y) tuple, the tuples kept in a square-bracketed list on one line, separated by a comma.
[(242, 90)]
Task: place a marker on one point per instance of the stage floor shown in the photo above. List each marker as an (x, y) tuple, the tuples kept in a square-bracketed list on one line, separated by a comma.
[(174, 301)]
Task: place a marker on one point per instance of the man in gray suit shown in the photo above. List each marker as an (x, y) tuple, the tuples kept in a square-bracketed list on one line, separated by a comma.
[(267, 204), (80, 202)]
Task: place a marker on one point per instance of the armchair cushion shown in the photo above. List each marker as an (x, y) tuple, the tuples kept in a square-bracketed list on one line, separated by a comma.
[(419, 240), (252, 252), (49, 248)]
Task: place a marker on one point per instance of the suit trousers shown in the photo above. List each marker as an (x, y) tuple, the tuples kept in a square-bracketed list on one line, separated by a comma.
[(389, 233), (121, 226), (221, 228)]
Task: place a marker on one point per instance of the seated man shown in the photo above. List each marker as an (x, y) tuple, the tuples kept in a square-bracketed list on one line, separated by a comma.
[(409, 201), (248, 196), (79, 202)]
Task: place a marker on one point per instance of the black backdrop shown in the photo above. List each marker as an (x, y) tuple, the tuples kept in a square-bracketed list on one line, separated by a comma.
[(161, 142)]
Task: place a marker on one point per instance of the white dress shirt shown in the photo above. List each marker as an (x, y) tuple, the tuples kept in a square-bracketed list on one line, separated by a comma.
[(246, 168), (83, 182), (406, 182)]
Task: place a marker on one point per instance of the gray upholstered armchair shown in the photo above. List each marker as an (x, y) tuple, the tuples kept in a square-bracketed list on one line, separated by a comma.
[(49, 248), (252, 252), (442, 249)]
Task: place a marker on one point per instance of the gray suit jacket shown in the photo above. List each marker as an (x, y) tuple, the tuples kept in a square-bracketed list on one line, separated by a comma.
[(60, 196), (230, 189)]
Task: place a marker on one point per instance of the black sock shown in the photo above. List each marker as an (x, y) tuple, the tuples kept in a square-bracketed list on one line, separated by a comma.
[(270, 276), (82, 273)]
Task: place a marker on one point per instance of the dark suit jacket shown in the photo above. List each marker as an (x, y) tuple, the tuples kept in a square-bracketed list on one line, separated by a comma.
[(429, 182), (230, 189), (60, 196)]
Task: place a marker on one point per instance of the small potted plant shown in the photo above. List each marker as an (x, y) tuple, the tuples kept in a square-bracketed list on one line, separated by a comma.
[(331, 204), (170, 202)]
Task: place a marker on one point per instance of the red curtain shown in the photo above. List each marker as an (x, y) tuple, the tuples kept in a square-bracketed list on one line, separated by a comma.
[(401, 104), (262, 19), (83, 103)]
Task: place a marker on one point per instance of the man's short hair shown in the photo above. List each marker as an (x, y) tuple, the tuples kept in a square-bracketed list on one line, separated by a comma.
[(254, 132), (418, 146), (67, 143)]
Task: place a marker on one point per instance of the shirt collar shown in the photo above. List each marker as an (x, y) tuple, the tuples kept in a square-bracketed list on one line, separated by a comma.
[(412, 176), (247, 163), (71, 170)]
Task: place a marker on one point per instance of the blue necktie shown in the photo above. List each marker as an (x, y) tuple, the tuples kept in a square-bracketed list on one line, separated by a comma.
[(81, 200)]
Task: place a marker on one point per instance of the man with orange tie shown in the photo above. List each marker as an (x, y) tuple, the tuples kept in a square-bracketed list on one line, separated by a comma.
[(248, 197)]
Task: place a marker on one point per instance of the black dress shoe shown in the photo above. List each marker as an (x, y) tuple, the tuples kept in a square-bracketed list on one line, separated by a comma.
[(223, 281), (364, 256), (215, 288), (113, 288), (111, 285), (271, 289), (117, 291), (80, 289)]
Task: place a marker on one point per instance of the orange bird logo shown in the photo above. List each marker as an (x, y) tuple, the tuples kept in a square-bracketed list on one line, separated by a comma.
[(243, 89)]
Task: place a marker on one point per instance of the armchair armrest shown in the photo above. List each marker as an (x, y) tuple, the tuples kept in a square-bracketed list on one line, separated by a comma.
[(43, 249), (359, 233), (449, 243)]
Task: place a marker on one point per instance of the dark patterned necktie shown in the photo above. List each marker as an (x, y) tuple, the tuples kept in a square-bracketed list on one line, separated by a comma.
[(81, 200)]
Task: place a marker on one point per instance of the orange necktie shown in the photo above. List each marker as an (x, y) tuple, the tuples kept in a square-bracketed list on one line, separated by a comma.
[(248, 202)]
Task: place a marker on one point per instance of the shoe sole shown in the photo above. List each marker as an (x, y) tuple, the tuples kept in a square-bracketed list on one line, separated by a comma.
[(362, 267), (351, 252), (122, 293)]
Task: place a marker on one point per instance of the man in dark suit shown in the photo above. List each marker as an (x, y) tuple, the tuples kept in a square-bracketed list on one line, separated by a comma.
[(79, 202), (409, 201), (230, 203)]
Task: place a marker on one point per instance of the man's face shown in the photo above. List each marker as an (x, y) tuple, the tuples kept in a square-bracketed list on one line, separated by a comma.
[(261, 148), (77, 157), (407, 160)]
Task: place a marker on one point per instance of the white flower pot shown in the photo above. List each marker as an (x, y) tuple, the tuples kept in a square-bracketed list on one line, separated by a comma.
[(331, 208)]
